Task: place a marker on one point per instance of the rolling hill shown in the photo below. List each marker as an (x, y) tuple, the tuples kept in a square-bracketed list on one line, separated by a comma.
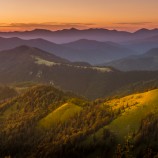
[(147, 61), (135, 122), (133, 109), (93, 52), (46, 122), (28, 64), (143, 45)]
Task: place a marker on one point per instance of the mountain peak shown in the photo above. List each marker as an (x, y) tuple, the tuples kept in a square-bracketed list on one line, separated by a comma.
[(73, 29), (68, 30), (145, 30), (41, 30), (23, 48), (142, 30)]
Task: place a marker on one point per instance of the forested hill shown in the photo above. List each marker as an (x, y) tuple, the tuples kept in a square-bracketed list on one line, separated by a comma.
[(46, 122), (28, 64)]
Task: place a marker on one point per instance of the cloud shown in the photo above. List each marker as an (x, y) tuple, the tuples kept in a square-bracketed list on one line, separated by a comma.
[(46, 25), (133, 23)]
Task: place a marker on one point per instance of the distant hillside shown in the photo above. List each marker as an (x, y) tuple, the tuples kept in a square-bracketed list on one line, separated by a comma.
[(93, 52), (139, 41), (142, 45), (147, 61), (28, 64), (90, 44)]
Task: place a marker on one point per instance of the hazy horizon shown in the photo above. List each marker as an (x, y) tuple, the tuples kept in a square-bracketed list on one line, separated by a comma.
[(55, 15), (80, 29)]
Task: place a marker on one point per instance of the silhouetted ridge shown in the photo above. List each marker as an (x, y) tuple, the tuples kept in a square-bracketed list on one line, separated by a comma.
[(23, 48)]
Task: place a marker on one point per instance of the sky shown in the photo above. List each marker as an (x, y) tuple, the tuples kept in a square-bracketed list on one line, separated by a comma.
[(129, 15)]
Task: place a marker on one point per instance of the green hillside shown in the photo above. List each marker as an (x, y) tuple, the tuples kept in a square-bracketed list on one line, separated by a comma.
[(131, 114), (133, 109), (36, 102), (44, 113), (61, 114), (46, 122)]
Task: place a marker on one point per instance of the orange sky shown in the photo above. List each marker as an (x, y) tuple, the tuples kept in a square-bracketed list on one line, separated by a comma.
[(59, 14)]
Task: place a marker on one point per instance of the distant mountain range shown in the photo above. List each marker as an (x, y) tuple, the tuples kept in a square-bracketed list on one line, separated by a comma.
[(29, 64), (90, 51), (147, 61), (69, 35)]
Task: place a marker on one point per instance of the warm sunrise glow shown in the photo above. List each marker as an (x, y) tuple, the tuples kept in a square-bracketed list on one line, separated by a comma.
[(59, 14)]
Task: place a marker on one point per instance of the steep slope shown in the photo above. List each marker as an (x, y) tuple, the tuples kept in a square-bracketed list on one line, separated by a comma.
[(134, 125), (133, 109), (147, 61), (146, 138), (61, 114)]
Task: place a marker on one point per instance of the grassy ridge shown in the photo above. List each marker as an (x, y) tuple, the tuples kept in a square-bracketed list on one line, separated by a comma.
[(133, 109), (61, 114)]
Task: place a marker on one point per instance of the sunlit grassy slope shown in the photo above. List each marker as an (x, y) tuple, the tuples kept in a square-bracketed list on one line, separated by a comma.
[(133, 109), (50, 106), (61, 114), (35, 103)]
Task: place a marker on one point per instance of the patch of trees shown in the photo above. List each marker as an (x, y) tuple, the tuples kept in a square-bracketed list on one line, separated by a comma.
[(21, 137), (146, 139), (6, 93)]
